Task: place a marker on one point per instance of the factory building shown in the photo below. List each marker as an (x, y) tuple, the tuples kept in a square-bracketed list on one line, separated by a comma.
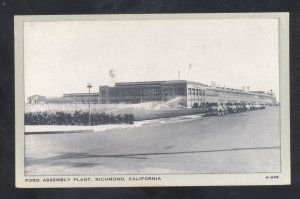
[(189, 94), (36, 99), (192, 93), (68, 98)]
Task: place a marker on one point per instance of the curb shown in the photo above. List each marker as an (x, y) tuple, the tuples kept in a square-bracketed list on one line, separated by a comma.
[(59, 132), (169, 119)]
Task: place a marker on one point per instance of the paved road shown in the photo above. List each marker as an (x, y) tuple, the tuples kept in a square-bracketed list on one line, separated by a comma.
[(244, 142)]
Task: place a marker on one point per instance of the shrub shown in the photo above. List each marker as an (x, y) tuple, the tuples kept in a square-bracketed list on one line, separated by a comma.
[(76, 118)]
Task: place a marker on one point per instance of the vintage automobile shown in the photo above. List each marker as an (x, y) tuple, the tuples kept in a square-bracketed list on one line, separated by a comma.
[(239, 107), (247, 107), (243, 106), (262, 106), (231, 108), (225, 109), (214, 108), (252, 106), (256, 106)]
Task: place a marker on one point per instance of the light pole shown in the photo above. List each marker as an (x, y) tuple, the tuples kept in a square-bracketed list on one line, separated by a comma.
[(89, 86)]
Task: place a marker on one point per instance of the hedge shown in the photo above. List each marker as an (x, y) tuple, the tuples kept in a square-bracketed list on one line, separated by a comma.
[(76, 118)]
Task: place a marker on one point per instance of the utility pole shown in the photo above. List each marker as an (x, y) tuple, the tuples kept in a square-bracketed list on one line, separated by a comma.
[(89, 86)]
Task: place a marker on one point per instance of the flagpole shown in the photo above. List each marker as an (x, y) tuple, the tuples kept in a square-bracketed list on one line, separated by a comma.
[(190, 71)]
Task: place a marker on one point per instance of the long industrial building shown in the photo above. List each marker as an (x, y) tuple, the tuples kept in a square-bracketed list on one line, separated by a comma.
[(191, 93)]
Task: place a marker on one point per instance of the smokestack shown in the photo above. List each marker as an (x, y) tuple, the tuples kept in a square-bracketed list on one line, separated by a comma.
[(178, 74)]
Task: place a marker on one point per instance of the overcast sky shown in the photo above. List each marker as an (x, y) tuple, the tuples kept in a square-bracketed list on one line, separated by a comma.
[(62, 57)]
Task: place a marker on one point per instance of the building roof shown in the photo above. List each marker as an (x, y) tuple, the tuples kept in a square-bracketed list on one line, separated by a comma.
[(60, 99), (261, 92), (36, 96), (79, 94), (193, 82), (138, 83), (157, 82)]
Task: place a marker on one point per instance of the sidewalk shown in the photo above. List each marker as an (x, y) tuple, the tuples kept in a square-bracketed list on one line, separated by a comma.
[(49, 129), (52, 129)]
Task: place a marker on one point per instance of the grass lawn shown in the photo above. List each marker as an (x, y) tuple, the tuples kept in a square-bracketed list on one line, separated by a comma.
[(143, 114)]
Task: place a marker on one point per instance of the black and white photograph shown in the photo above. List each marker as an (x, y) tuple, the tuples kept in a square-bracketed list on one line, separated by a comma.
[(152, 100)]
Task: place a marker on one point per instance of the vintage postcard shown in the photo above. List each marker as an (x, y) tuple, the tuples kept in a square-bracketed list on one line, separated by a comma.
[(152, 100)]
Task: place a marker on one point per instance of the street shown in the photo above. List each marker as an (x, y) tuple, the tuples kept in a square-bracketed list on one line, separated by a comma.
[(246, 142)]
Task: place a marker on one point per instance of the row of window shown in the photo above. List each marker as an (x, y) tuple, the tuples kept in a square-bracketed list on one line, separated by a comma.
[(265, 97), (214, 93), (174, 91), (151, 91), (194, 91), (115, 92)]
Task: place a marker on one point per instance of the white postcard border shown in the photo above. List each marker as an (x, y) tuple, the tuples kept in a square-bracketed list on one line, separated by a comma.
[(162, 180)]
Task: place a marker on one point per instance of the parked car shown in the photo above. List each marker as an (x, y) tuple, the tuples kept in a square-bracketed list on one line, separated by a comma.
[(231, 108), (256, 106), (252, 106), (225, 109), (214, 108), (239, 107), (243, 107), (247, 107), (261, 106)]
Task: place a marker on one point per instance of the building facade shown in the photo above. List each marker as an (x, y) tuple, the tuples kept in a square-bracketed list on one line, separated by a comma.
[(36, 99), (193, 93), (131, 92), (68, 98), (190, 93)]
